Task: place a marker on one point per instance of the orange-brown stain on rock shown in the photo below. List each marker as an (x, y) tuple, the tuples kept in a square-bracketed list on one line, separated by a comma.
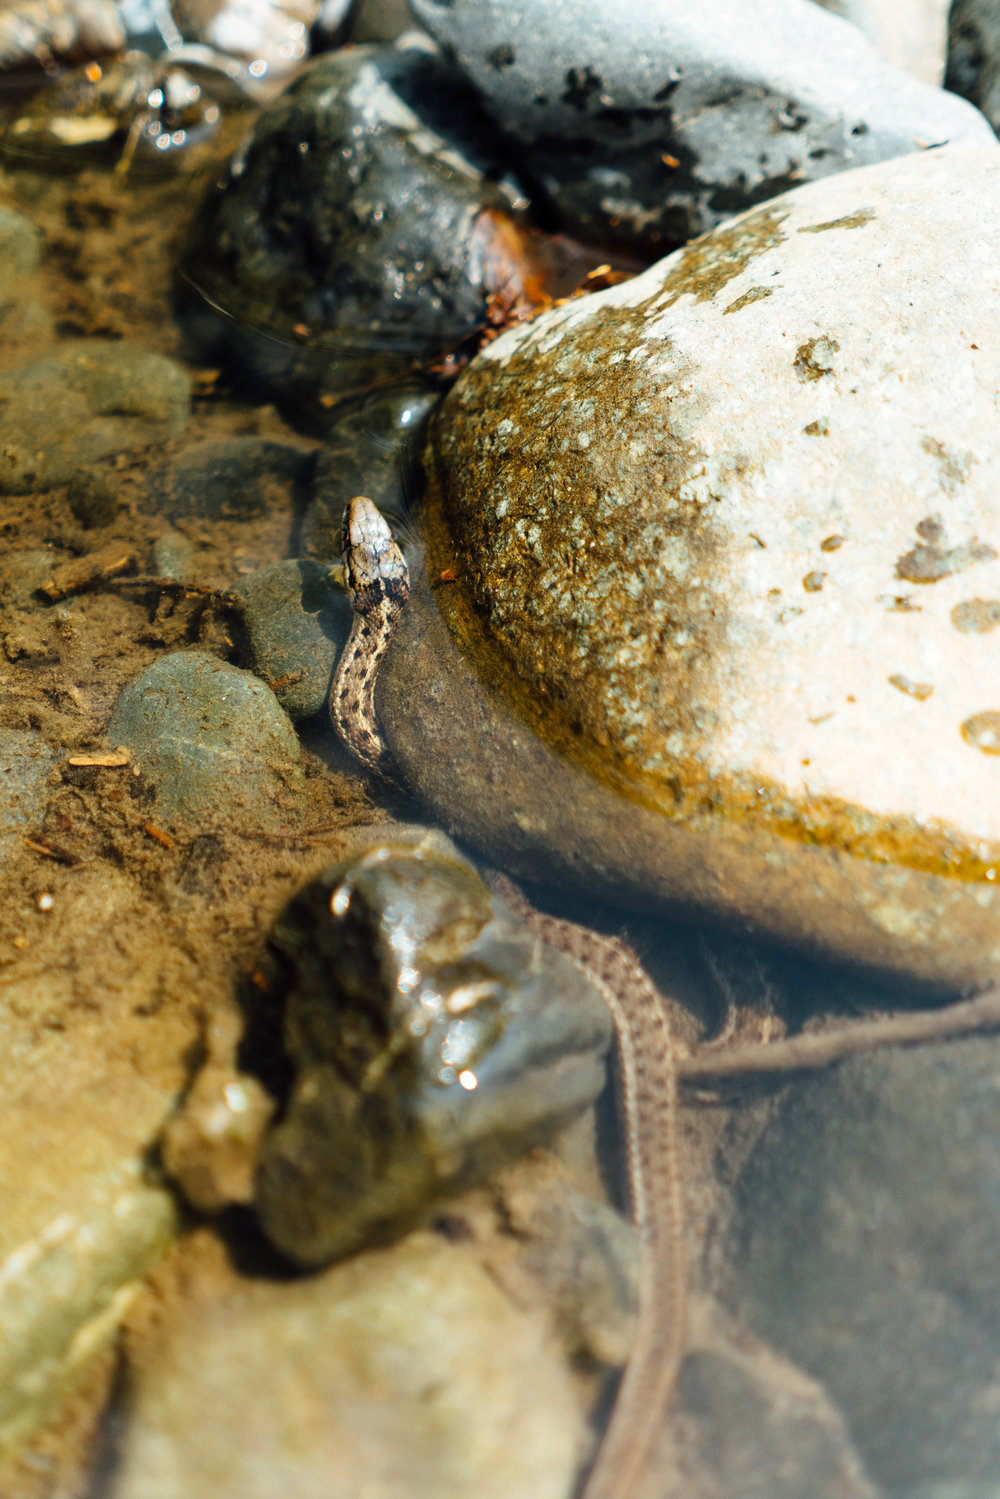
[(976, 616)]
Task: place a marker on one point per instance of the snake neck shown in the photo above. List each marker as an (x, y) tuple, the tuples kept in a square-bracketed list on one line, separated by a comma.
[(352, 693)]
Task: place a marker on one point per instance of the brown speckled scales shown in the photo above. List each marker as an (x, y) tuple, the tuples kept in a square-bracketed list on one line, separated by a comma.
[(378, 586), (648, 1069)]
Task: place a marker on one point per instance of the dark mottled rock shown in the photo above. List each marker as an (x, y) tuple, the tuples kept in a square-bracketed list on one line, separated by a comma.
[(297, 623), (85, 401), (370, 449), (213, 742), (234, 477), (864, 1247), (628, 684), (360, 228), (433, 1039), (653, 120), (973, 68)]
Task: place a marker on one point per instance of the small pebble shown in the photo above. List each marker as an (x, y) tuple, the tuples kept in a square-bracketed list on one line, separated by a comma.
[(212, 741)]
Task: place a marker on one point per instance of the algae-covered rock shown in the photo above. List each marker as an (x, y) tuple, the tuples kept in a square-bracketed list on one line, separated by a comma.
[(726, 539)]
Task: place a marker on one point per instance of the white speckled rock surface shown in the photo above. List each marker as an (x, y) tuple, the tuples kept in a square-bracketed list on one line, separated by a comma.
[(736, 528)]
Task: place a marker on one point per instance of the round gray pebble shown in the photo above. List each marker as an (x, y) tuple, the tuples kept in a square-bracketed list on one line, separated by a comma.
[(212, 740)]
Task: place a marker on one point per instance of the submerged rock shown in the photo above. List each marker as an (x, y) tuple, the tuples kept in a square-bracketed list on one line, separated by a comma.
[(361, 228), (653, 120), (710, 530), (84, 401), (371, 448), (212, 741), (230, 478), (433, 1039), (863, 1246), (405, 1373), (296, 623)]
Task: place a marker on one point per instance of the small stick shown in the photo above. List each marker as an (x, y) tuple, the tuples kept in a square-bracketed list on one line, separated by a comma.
[(87, 572), (810, 1050)]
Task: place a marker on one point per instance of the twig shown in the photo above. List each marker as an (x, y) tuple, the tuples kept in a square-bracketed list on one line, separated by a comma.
[(810, 1050)]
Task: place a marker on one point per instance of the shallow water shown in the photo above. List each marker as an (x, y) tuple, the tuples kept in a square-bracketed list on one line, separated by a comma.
[(133, 939)]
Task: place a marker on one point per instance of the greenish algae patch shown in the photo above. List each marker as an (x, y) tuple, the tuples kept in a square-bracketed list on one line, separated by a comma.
[(708, 264), (755, 294), (688, 794), (813, 359), (849, 221)]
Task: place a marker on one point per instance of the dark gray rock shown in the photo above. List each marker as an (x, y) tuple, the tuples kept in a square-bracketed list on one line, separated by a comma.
[(370, 449), (433, 1038), (864, 1248), (297, 623), (236, 477), (85, 401), (973, 68), (747, 1425), (653, 120), (213, 742), (360, 227)]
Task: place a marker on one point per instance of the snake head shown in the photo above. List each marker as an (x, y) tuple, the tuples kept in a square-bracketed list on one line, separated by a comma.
[(374, 567)]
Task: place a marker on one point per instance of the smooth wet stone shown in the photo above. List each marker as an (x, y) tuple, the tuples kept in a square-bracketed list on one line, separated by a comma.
[(297, 624), (371, 448), (653, 120), (26, 763), (709, 531), (230, 478), (174, 556), (87, 400), (864, 1247), (360, 227), (405, 1373), (433, 1040), (212, 741), (973, 68)]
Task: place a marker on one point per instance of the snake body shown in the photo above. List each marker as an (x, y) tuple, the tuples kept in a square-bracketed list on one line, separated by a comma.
[(377, 582), (378, 585)]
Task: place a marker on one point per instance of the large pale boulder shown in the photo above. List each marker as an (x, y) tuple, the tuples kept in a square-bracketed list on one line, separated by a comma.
[(727, 543)]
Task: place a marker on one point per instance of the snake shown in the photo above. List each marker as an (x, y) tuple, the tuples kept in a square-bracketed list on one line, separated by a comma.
[(377, 582)]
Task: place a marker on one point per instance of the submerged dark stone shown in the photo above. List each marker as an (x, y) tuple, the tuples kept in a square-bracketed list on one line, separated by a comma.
[(434, 1038), (360, 228)]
